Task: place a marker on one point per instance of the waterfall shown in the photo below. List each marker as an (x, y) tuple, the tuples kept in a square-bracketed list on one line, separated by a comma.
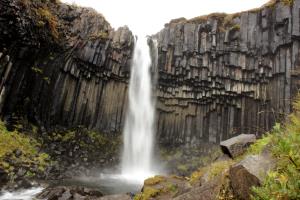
[(138, 131)]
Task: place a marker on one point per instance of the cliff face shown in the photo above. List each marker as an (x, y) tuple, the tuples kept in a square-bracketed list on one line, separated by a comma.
[(221, 75), (218, 75), (63, 65)]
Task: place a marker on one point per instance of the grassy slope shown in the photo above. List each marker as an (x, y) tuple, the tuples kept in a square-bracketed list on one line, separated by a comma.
[(28, 148)]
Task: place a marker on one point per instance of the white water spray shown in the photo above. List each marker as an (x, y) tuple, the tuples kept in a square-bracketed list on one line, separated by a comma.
[(28, 194), (138, 132)]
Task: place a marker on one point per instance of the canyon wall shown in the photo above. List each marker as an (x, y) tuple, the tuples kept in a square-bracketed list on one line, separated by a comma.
[(218, 75), (63, 65), (222, 75)]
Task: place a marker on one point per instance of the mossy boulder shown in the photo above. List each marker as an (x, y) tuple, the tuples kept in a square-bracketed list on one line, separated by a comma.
[(163, 187)]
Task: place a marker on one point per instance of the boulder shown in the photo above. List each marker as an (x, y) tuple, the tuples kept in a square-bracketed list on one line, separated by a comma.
[(3, 178), (115, 197), (68, 193), (207, 191), (237, 145), (249, 172)]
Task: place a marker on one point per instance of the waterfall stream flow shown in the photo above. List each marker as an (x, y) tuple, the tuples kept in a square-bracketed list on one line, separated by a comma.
[(138, 131)]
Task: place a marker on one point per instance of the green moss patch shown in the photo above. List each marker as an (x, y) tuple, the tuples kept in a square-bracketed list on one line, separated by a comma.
[(19, 150)]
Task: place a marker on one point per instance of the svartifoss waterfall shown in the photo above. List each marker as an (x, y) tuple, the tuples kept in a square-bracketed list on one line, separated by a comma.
[(138, 130)]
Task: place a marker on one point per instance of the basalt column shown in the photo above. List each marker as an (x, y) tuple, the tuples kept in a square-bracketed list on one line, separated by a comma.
[(222, 75)]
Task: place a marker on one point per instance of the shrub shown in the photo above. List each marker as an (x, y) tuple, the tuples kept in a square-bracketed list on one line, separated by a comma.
[(284, 181), (46, 16)]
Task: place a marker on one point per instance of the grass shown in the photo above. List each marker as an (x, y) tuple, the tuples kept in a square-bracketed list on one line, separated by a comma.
[(213, 170), (101, 35), (154, 180), (284, 182), (148, 193), (12, 141), (260, 145), (47, 18)]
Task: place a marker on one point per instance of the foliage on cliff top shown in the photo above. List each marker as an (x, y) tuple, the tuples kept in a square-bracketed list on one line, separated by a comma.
[(284, 182), (20, 150), (225, 20), (42, 13)]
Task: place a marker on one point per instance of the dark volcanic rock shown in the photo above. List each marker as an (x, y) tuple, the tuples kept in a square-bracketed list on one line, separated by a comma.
[(207, 191), (3, 178), (251, 171), (78, 77), (237, 145), (242, 181), (69, 193), (221, 75), (218, 75), (115, 197)]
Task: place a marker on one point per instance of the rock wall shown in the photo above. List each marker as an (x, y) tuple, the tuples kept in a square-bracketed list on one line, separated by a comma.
[(222, 75), (218, 75), (63, 65)]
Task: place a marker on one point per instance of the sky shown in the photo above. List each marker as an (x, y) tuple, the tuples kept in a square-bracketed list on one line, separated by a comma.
[(149, 16)]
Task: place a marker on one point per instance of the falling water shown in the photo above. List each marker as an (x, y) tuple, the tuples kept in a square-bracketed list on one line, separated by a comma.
[(138, 131)]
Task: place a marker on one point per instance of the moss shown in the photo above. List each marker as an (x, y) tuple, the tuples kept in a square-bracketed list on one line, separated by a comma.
[(154, 180), (218, 168), (196, 175), (204, 18), (288, 2), (183, 168), (37, 70), (46, 79), (148, 193), (11, 141), (235, 27), (45, 15), (213, 170), (68, 136), (172, 187), (259, 145), (102, 35)]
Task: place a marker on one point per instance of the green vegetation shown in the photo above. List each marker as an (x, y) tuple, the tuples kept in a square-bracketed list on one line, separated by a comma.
[(235, 27), (284, 182), (46, 17), (91, 141), (148, 193), (158, 186), (154, 180), (28, 152), (102, 35), (260, 144), (37, 70), (213, 170)]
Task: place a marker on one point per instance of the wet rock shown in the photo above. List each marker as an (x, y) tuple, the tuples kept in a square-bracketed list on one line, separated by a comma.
[(69, 193), (3, 177), (21, 172), (237, 145), (249, 172), (18, 153), (115, 197)]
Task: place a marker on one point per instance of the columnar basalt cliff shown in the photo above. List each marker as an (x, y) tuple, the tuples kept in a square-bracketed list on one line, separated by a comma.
[(222, 75), (218, 75), (63, 65)]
